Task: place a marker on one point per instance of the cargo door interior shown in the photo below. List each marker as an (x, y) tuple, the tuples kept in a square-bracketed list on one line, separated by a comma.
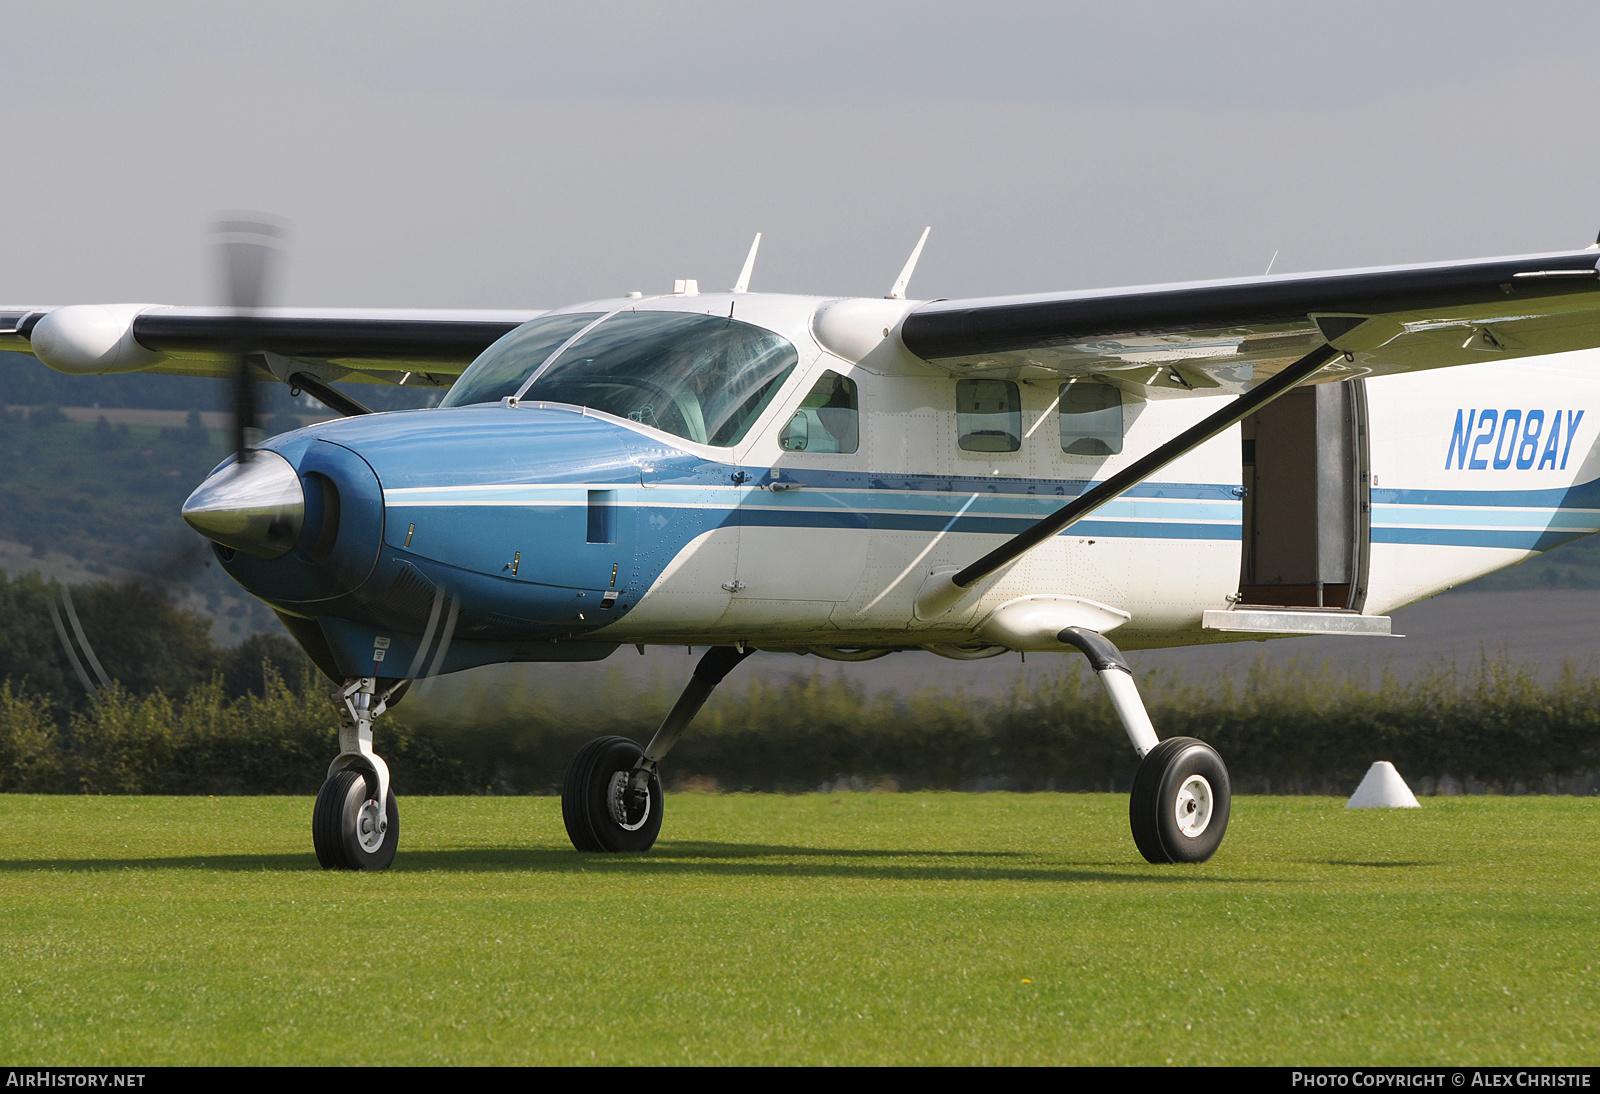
[(1307, 519)]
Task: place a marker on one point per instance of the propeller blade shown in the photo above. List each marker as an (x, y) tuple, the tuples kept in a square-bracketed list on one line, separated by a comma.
[(427, 636), (246, 246), (244, 407), (452, 609), (72, 654), (83, 644), (83, 639)]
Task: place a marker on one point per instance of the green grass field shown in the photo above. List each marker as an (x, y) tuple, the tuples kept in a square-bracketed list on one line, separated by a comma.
[(855, 928)]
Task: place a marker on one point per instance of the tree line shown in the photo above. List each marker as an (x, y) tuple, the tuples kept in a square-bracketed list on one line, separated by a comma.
[(187, 717)]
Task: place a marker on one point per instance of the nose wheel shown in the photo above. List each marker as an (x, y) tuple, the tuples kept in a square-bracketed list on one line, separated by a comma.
[(1180, 800), (349, 829)]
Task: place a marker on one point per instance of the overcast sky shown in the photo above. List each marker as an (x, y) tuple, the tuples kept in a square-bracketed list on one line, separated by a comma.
[(488, 155)]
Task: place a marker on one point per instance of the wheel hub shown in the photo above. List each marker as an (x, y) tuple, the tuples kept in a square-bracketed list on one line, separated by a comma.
[(1194, 805), (629, 812), (371, 824)]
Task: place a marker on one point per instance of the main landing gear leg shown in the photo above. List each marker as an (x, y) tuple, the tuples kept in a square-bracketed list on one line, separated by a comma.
[(611, 795), (1180, 800), (350, 829)]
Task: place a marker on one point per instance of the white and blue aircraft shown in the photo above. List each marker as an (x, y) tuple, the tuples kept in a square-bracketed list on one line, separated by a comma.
[(1162, 465)]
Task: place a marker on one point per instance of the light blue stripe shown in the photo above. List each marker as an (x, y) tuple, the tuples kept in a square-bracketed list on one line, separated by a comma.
[(1495, 524), (1024, 507), (1585, 520), (1474, 537)]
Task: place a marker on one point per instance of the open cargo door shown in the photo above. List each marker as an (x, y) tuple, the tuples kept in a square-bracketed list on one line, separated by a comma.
[(1307, 513)]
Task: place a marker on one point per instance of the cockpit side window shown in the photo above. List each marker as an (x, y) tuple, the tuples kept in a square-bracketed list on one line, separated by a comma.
[(828, 419), (1091, 419), (500, 370), (705, 378), (988, 415)]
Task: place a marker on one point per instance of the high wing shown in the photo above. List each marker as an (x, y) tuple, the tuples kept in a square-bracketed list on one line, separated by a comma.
[(1214, 337), (1208, 337), (1255, 338), (389, 345)]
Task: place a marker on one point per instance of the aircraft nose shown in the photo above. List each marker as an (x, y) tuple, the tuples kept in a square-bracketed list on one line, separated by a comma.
[(257, 506)]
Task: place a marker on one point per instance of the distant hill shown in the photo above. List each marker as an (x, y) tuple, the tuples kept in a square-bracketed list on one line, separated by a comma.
[(85, 501)]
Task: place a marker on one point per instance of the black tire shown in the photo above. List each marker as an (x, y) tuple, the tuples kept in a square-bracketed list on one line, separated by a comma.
[(587, 805), (1154, 805), (336, 823)]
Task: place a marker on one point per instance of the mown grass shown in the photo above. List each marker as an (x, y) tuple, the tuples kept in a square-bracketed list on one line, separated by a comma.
[(850, 928)]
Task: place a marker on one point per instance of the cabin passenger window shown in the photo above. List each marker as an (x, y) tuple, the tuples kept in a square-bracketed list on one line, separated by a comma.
[(828, 418), (1091, 419), (988, 415)]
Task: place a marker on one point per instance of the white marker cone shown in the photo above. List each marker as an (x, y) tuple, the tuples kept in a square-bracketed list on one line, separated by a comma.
[(1382, 788)]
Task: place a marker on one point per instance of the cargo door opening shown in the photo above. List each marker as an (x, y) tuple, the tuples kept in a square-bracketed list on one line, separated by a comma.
[(1307, 516)]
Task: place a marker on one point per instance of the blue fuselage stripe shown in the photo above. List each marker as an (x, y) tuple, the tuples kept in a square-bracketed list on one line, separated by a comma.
[(1524, 528), (1528, 540), (978, 524)]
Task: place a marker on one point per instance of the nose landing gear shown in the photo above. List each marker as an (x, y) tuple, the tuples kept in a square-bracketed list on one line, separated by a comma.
[(349, 828)]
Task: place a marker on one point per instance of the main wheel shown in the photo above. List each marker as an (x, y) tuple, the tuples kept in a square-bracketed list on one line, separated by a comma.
[(1180, 800), (346, 828), (599, 812)]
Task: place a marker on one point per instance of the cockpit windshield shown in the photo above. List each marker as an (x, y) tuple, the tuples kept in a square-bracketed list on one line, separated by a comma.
[(705, 378), (500, 370)]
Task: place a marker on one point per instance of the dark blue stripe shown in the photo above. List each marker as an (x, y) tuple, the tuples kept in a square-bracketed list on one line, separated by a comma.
[(1585, 495), (752, 517), (979, 525), (1119, 529), (1476, 537), (1055, 490)]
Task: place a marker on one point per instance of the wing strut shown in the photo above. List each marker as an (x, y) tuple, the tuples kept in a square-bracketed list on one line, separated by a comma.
[(938, 597), (327, 394)]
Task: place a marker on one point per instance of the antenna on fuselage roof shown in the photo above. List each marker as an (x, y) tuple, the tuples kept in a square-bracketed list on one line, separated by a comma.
[(899, 290), (743, 284)]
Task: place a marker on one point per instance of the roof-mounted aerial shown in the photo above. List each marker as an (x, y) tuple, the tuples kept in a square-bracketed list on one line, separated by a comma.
[(743, 284), (898, 292)]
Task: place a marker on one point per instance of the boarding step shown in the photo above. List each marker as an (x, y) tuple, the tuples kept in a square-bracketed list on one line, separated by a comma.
[(1270, 620)]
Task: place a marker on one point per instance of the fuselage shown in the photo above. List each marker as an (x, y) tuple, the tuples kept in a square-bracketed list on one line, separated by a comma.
[(808, 513)]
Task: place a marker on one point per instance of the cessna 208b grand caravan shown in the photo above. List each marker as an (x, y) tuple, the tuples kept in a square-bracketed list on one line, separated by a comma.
[(1168, 465)]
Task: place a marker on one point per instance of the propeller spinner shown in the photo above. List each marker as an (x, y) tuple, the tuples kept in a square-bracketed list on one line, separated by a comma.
[(256, 506)]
